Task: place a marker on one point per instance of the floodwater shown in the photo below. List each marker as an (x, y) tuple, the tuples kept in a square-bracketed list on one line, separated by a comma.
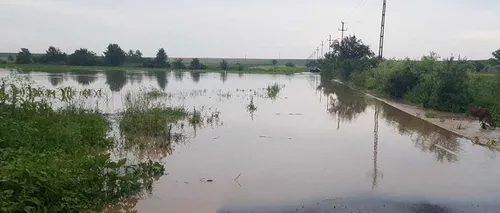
[(315, 147)]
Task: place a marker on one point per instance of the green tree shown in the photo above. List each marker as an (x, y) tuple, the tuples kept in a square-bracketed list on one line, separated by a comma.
[(196, 65), (114, 55), (134, 56), (451, 89), (496, 56), (161, 58), (83, 57), (223, 64), (348, 56), (289, 64), (178, 64), (239, 67), (54, 56), (11, 58), (24, 57), (274, 62)]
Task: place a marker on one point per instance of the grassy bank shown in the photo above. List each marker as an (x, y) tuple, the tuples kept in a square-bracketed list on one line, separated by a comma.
[(70, 68), (50, 158), (451, 84), (448, 85)]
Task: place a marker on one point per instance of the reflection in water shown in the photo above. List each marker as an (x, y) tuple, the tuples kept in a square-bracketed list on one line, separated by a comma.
[(56, 78), (240, 74), (85, 78), (223, 77), (134, 77), (342, 101), (424, 136), (375, 173), (195, 76), (126, 206), (116, 80), (161, 78), (179, 76)]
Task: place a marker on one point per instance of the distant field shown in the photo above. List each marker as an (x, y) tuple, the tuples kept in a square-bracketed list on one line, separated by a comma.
[(212, 62)]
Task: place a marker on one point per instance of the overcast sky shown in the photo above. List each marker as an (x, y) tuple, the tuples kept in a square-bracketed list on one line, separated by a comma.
[(255, 28)]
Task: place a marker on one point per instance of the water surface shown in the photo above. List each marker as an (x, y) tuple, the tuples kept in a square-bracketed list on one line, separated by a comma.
[(316, 141)]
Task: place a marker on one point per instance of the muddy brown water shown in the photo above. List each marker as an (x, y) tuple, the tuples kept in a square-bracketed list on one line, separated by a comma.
[(315, 141)]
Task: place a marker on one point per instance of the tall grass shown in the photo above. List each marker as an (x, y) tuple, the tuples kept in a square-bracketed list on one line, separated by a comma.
[(49, 157)]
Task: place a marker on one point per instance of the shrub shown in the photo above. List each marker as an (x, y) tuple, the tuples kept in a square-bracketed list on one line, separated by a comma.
[(178, 64), (289, 64)]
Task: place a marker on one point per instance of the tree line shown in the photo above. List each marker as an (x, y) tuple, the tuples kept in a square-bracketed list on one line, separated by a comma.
[(445, 84), (114, 55)]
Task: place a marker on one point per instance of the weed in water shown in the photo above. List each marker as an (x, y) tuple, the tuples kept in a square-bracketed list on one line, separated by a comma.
[(48, 160), (273, 91)]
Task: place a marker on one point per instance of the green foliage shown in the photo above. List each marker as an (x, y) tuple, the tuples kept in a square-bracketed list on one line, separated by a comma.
[(496, 56), (223, 64), (289, 64), (274, 62), (451, 87), (147, 121), (50, 158), (134, 56), (10, 58), (24, 57), (240, 67), (54, 56), (196, 65), (114, 55), (83, 57), (160, 60), (348, 56), (178, 64)]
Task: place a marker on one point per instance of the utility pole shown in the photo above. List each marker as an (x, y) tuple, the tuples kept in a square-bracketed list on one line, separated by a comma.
[(322, 53), (343, 30), (317, 50), (382, 29), (329, 43)]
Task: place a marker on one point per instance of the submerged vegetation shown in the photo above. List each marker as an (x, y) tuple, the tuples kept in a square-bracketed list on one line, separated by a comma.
[(51, 158), (273, 90), (442, 84)]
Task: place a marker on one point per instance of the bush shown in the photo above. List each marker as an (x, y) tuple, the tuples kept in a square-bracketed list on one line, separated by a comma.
[(83, 57), (223, 65), (196, 65), (289, 64), (178, 64), (240, 67), (24, 57)]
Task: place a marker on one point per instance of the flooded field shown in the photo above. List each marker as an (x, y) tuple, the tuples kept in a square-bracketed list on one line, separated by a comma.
[(292, 143)]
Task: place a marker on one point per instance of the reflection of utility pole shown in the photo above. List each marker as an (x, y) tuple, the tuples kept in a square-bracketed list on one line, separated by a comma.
[(342, 30), (375, 149)]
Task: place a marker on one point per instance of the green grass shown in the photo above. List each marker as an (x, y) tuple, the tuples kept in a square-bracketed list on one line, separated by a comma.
[(50, 159), (69, 68)]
